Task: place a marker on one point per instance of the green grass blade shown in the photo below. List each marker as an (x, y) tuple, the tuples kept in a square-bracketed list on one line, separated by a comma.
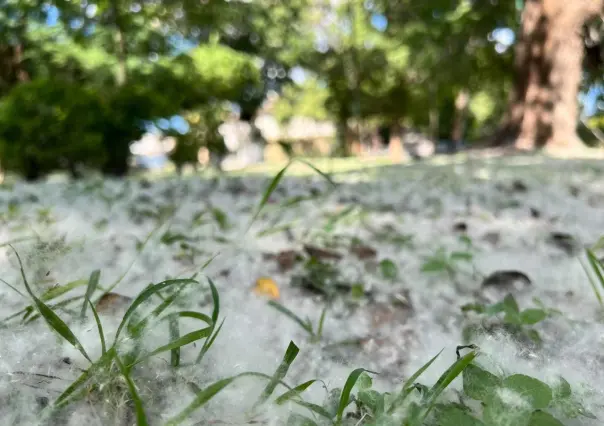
[(99, 326), (55, 292), (290, 355), (80, 381), (141, 418), (314, 408), (136, 330), (175, 344), (346, 391), (191, 314), (321, 322), (408, 386), (103, 362), (142, 247), (322, 174), (445, 380), (204, 395), (267, 194), (52, 319), (13, 288), (292, 316), (174, 335), (593, 284), (93, 282), (144, 296), (54, 307), (200, 400), (208, 343), (215, 301), (596, 266), (293, 393)]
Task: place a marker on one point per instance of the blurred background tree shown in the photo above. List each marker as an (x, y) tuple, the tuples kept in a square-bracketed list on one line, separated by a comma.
[(109, 68)]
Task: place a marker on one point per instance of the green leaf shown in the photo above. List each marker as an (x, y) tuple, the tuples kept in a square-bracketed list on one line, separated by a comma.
[(541, 418), (505, 407), (562, 389), (532, 316), (388, 269), (510, 304), (451, 415), (373, 400), (494, 309), (512, 312), (364, 382), (290, 355), (479, 383), (434, 265), (461, 256), (538, 394)]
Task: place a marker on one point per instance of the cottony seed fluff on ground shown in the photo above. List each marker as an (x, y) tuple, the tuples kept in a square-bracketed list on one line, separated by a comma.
[(394, 252)]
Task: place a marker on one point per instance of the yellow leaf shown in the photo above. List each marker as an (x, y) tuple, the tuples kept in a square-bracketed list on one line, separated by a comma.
[(267, 287)]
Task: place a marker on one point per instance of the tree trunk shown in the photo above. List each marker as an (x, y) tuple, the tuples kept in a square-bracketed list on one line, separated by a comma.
[(343, 147), (462, 101), (543, 107)]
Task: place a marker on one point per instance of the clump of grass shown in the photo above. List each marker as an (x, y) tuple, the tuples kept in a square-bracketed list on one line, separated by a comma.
[(315, 333)]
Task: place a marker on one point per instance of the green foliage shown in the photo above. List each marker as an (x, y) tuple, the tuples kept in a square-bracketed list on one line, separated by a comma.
[(203, 132), (515, 321), (305, 100), (46, 125)]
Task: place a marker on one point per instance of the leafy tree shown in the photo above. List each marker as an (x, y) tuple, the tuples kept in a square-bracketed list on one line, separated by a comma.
[(47, 125), (307, 99), (203, 126)]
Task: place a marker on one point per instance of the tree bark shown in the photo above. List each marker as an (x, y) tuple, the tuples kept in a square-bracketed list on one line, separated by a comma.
[(462, 101), (543, 107), (343, 146)]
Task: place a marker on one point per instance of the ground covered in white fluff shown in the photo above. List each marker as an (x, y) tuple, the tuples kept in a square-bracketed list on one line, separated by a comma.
[(398, 251)]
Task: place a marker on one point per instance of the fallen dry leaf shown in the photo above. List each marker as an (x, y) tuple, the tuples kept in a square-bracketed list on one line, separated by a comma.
[(363, 252), (320, 253), (266, 286), (286, 259), (110, 303)]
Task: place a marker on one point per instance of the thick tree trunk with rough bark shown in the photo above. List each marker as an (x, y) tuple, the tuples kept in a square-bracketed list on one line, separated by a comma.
[(543, 109)]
